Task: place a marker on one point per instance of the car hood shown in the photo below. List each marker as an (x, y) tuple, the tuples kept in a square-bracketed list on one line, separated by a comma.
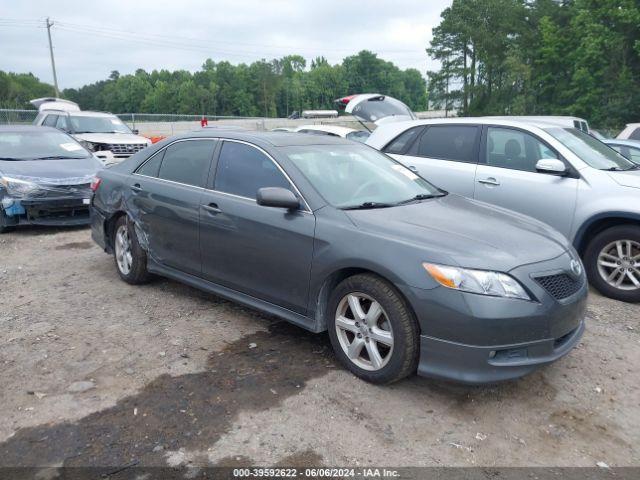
[(112, 138), (59, 172), (626, 179), (472, 234)]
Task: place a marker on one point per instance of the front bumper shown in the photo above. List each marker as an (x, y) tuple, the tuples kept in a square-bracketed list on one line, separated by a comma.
[(476, 365), (478, 339), (49, 211)]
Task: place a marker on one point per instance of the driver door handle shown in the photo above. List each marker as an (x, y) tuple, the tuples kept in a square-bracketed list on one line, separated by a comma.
[(136, 188), (489, 181), (212, 208)]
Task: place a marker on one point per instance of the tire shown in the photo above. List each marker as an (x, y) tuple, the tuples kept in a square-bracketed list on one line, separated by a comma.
[(4, 227), (602, 254), (394, 362), (136, 273)]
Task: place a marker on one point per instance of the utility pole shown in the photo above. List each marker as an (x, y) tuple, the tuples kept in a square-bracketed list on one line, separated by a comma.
[(53, 62)]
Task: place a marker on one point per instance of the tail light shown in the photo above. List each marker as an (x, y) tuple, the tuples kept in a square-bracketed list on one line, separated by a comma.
[(95, 183)]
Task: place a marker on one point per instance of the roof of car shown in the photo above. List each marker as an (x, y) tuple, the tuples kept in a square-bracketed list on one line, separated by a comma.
[(27, 128), (335, 129), (620, 141), (82, 113), (275, 139), (515, 122)]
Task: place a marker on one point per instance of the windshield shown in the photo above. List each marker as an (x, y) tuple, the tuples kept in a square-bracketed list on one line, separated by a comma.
[(83, 124), (36, 145), (590, 150), (350, 176)]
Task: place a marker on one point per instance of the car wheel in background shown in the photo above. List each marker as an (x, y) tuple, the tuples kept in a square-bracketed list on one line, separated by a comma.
[(4, 223), (372, 330), (130, 258), (612, 261)]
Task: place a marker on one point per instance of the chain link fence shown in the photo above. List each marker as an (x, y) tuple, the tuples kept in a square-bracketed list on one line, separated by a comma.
[(17, 117), (165, 125)]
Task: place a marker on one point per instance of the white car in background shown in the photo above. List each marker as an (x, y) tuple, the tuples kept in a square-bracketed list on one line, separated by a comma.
[(631, 132), (562, 121), (334, 131), (104, 134)]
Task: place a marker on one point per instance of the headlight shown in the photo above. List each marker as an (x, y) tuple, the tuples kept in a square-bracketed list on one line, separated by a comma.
[(482, 282), (17, 187), (92, 147)]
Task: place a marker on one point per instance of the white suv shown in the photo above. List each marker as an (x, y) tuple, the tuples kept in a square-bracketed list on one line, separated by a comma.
[(559, 175), (102, 133)]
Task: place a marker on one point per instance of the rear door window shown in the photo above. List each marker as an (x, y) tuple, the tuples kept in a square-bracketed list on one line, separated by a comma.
[(515, 149), (187, 162), (151, 168), (449, 142), (50, 121), (402, 142), (62, 123), (243, 170)]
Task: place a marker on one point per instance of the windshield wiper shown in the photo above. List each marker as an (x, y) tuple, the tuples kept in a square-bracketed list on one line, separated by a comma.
[(422, 196), (57, 157), (11, 159), (370, 205)]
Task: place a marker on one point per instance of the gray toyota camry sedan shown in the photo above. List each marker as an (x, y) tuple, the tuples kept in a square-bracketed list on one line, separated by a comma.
[(336, 236)]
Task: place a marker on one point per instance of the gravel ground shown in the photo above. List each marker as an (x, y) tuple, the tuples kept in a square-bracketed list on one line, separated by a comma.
[(96, 372)]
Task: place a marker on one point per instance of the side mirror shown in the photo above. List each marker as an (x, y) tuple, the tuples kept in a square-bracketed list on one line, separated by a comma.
[(277, 197), (136, 131), (551, 166)]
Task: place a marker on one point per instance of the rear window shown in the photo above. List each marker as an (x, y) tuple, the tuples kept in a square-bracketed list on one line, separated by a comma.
[(187, 162), (635, 135), (449, 142)]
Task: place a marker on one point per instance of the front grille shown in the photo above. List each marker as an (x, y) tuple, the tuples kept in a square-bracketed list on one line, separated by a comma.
[(62, 191), (124, 149), (560, 286)]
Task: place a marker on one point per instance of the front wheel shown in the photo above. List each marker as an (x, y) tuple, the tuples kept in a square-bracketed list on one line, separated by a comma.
[(130, 258), (612, 261), (372, 330)]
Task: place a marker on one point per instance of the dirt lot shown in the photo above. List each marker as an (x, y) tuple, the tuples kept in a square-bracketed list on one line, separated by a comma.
[(96, 372)]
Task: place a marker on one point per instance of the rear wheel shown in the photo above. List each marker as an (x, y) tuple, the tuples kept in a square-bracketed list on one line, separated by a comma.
[(130, 258), (372, 330), (612, 261)]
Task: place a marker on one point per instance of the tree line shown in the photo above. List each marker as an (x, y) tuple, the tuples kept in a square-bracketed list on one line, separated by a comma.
[(539, 57), (495, 57), (273, 88)]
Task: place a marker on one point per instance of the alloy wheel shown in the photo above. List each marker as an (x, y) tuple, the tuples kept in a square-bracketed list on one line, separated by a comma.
[(619, 264), (124, 256), (364, 331)]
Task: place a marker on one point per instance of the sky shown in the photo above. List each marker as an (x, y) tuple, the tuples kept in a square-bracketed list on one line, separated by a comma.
[(92, 38)]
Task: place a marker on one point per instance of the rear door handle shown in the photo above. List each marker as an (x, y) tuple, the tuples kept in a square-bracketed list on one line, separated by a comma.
[(212, 208), (489, 181), (136, 188)]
